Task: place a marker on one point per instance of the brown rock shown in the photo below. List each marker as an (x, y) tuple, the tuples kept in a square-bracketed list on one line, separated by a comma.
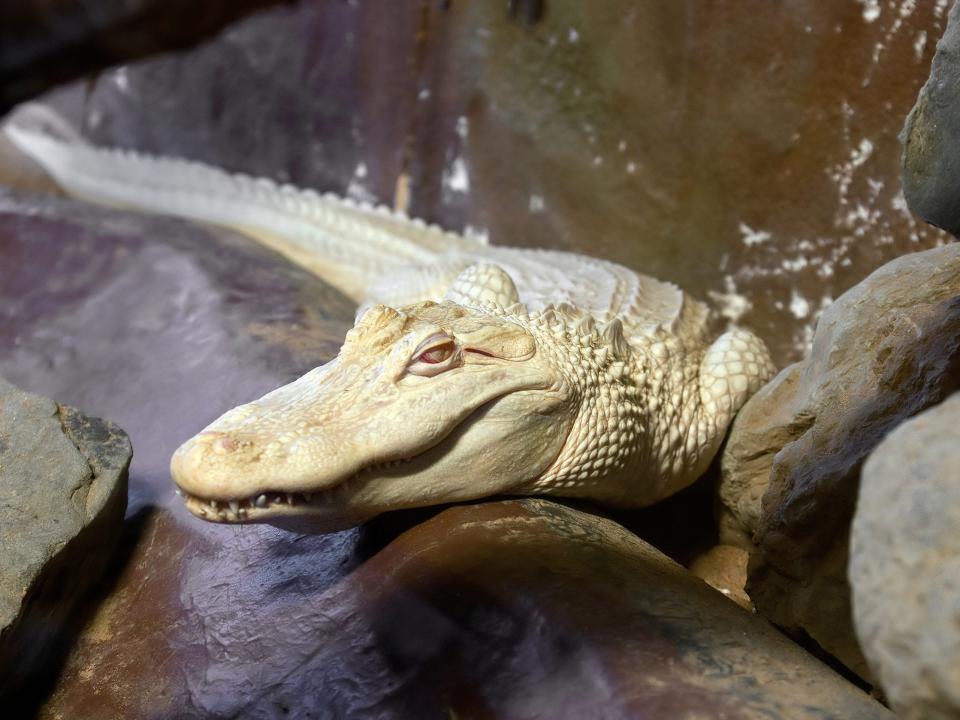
[(747, 152), (63, 491), (724, 568), (768, 422), (885, 350), (905, 562), (489, 610)]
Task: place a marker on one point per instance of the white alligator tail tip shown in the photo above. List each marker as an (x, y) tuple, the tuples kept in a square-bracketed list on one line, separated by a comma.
[(35, 119)]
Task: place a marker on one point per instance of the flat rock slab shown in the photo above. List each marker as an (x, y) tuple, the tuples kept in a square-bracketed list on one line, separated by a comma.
[(905, 564), (503, 609), (63, 492), (158, 324), (885, 350)]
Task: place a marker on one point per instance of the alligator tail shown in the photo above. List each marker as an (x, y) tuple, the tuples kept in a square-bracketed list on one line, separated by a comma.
[(346, 243)]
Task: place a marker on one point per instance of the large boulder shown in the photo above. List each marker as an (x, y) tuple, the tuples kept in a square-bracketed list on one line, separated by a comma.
[(905, 564), (500, 609), (885, 350), (63, 492), (931, 137), (159, 324), (674, 137)]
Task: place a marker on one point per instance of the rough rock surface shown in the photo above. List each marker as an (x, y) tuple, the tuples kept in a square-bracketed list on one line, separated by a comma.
[(931, 137), (905, 564), (674, 136), (469, 614), (44, 43), (885, 350), (63, 492), (483, 609)]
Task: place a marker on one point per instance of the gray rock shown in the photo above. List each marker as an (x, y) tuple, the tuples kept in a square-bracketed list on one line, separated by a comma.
[(63, 492), (905, 564), (885, 350), (931, 137)]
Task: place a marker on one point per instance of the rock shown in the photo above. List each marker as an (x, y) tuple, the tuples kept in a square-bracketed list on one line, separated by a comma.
[(931, 137), (472, 613), (724, 567), (885, 350), (63, 492), (762, 427), (758, 139), (43, 44), (159, 324), (905, 564), (163, 325)]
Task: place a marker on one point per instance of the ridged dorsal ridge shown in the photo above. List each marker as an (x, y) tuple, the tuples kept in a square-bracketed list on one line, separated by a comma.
[(264, 190), (612, 336), (586, 326), (491, 307), (565, 312)]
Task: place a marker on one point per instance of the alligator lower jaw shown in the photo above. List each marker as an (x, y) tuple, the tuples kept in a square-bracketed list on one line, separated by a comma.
[(272, 503)]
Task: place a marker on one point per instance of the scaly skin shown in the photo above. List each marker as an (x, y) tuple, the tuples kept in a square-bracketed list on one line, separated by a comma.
[(602, 384)]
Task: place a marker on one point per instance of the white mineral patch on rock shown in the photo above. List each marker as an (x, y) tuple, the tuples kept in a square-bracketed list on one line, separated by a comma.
[(753, 237), (871, 9)]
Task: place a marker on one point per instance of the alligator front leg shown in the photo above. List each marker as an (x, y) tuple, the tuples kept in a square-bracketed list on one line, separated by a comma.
[(733, 368)]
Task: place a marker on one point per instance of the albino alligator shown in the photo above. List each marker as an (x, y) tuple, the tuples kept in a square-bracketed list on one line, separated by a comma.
[(474, 370)]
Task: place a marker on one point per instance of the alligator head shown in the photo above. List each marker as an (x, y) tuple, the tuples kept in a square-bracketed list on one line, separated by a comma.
[(425, 404)]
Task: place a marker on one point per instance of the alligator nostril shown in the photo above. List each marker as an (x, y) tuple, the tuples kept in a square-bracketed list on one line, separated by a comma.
[(224, 445)]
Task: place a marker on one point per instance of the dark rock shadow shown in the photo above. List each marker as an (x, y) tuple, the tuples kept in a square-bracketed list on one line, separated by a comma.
[(26, 700)]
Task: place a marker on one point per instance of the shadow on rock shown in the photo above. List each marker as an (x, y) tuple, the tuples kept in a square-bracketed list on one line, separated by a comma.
[(26, 701)]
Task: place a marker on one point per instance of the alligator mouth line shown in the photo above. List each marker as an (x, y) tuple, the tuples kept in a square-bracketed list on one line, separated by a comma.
[(240, 509)]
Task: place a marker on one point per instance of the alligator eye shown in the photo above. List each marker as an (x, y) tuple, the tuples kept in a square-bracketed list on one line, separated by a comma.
[(436, 354)]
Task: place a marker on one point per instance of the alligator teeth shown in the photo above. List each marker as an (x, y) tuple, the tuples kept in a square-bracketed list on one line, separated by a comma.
[(178, 491), (289, 498), (203, 511), (261, 501), (235, 506)]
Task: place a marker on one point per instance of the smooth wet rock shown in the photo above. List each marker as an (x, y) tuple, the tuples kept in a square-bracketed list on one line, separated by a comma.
[(159, 324), (747, 152), (931, 137), (500, 609), (884, 351), (905, 564), (63, 492)]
